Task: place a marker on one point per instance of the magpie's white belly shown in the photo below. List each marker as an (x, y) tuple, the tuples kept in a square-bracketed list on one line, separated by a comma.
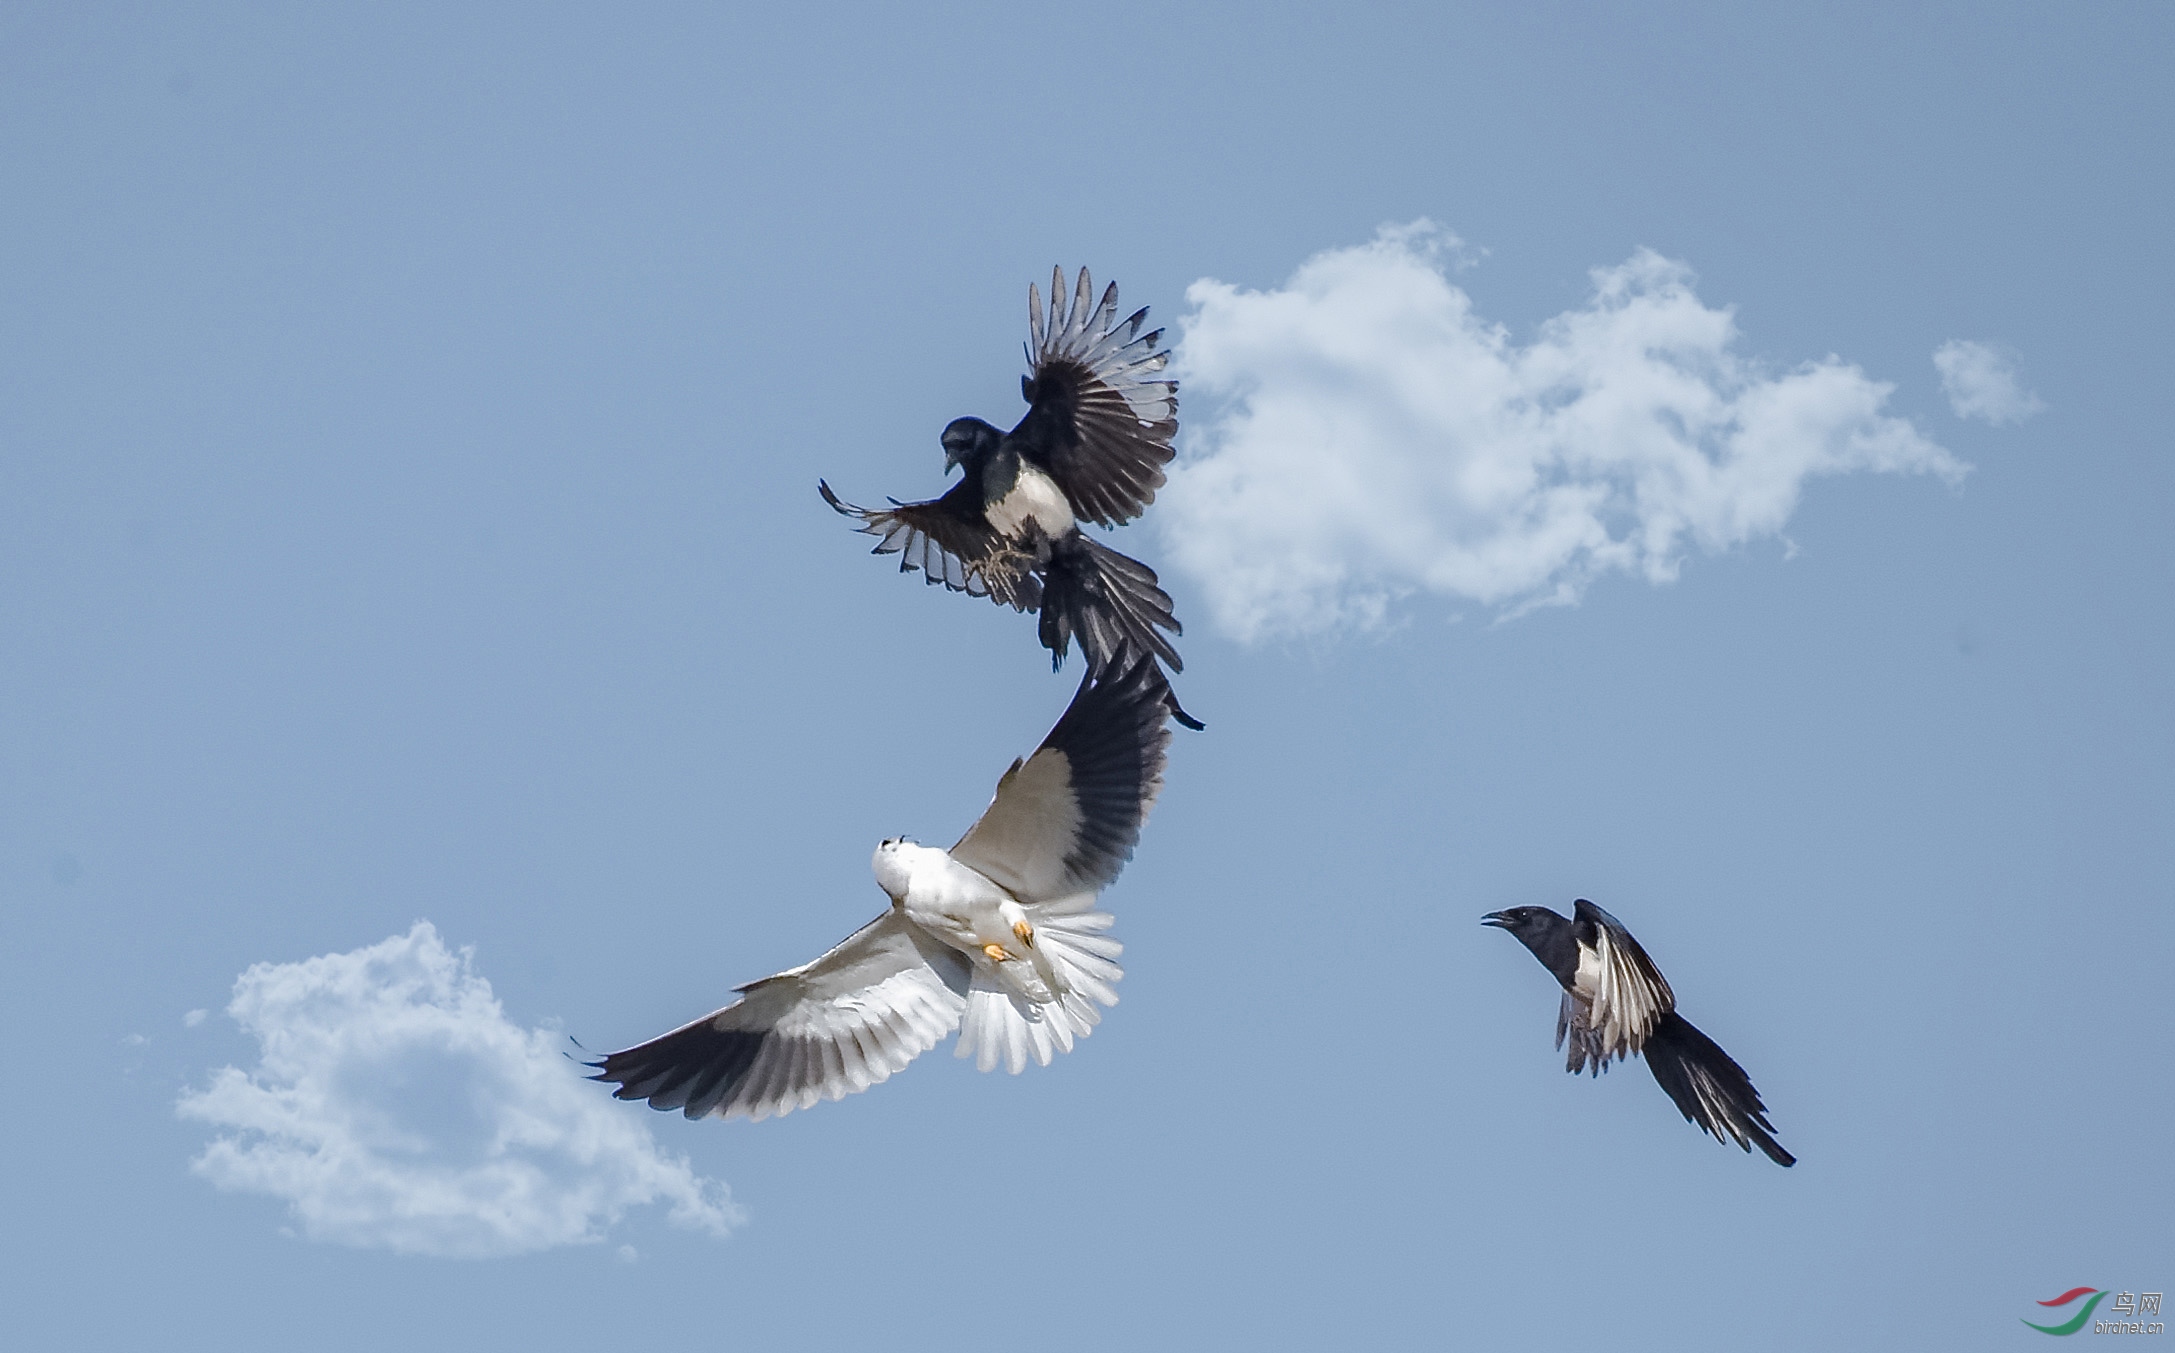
[(1587, 981), (1034, 497)]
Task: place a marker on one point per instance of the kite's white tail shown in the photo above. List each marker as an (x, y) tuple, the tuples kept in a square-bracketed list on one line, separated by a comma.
[(1001, 1024)]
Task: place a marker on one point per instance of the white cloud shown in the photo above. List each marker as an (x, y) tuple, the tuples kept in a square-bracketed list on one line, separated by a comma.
[(193, 1018), (1366, 436), (395, 1106), (1980, 381)]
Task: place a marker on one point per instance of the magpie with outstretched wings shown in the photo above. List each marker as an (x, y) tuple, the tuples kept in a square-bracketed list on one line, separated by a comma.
[(1616, 1004), (998, 937), (1091, 447)]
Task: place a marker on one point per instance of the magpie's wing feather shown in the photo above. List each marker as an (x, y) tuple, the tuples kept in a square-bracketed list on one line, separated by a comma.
[(1066, 819), (1709, 1088), (1574, 1023), (1629, 994), (1100, 415), (824, 1030), (949, 540)]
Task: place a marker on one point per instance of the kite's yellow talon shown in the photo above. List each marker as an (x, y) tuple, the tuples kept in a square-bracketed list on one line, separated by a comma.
[(1026, 933), (996, 953)]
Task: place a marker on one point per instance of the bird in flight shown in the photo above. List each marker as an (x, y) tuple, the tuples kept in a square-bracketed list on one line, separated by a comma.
[(998, 937), (1091, 447), (1617, 1004)]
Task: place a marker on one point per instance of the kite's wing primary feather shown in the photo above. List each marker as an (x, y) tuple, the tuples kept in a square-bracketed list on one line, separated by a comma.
[(1066, 819), (824, 1030)]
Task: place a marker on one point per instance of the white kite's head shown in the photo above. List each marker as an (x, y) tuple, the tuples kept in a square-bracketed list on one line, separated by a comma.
[(894, 866)]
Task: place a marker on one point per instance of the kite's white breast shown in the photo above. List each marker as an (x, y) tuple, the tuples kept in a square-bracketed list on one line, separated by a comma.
[(956, 904)]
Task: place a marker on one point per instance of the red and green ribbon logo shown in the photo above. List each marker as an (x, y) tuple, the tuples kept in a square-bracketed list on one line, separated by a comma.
[(2075, 1322)]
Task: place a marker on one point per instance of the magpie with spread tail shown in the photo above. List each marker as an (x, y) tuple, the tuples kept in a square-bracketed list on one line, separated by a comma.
[(999, 937), (1616, 1004), (1091, 447)]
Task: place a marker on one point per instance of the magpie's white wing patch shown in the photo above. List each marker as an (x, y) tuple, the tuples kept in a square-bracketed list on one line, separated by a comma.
[(1100, 409), (1066, 819), (1621, 995), (824, 1030)]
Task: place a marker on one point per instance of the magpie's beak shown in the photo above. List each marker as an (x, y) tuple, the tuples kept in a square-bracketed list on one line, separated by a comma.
[(1501, 920)]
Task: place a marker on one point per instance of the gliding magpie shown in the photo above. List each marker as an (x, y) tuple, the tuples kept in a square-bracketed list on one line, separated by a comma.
[(997, 937), (1617, 1004), (1092, 446)]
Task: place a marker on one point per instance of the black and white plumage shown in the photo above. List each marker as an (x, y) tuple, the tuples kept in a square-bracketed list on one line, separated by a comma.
[(1091, 447), (998, 937), (1617, 1004)]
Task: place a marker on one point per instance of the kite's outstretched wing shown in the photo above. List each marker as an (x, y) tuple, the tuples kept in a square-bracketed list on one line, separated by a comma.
[(1066, 819), (824, 1030), (948, 539), (1100, 415)]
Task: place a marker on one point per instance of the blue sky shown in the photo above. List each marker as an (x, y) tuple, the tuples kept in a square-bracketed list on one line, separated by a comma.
[(409, 423)]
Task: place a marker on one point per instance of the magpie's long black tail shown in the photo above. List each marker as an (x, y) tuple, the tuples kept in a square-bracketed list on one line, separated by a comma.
[(1709, 1088), (1113, 604)]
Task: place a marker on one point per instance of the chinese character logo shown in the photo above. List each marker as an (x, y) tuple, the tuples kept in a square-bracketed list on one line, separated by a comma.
[(2075, 1322), (2125, 1304)]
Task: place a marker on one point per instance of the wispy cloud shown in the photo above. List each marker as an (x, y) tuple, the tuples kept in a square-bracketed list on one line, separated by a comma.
[(1361, 434), (395, 1106), (1981, 382)]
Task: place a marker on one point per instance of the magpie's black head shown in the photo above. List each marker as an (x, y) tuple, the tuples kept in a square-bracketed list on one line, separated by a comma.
[(1544, 932), (1527, 923), (967, 440)]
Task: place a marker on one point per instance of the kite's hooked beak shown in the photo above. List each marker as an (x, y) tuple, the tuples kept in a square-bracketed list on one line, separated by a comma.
[(1498, 919)]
